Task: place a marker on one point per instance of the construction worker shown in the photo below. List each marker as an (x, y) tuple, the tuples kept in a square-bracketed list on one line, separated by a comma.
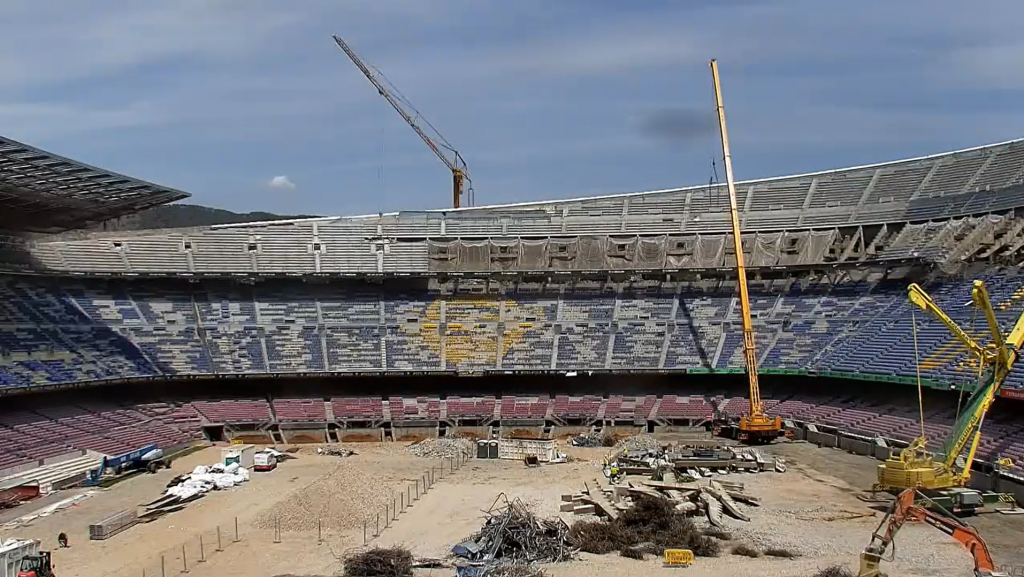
[(615, 472), (62, 540)]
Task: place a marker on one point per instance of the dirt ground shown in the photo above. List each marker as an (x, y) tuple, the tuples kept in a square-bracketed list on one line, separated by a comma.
[(799, 510)]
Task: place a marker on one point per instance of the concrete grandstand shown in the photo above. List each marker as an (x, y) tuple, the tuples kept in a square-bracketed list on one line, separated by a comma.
[(624, 284)]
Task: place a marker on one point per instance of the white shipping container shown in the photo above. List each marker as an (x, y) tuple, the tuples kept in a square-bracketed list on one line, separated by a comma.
[(544, 449), (242, 454), (11, 553)]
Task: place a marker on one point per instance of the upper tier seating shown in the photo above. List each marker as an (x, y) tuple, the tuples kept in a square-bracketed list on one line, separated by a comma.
[(82, 330)]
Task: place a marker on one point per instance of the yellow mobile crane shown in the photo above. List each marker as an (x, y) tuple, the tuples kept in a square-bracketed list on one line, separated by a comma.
[(943, 475), (437, 143), (755, 427)]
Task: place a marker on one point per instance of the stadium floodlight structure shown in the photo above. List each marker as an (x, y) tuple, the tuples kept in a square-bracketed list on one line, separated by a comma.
[(756, 426), (437, 143), (44, 192)]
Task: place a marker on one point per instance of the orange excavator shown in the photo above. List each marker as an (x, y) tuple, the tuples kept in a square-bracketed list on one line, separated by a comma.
[(904, 508)]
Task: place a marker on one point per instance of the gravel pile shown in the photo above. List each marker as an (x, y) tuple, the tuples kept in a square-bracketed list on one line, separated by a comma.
[(639, 443), (341, 499), (443, 448)]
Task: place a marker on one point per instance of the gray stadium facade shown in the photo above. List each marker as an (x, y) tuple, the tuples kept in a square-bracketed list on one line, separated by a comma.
[(943, 209)]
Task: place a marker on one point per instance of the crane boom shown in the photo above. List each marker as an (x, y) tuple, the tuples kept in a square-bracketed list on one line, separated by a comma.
[(756, 425), (916, 466), (997, 358), (438, 144)]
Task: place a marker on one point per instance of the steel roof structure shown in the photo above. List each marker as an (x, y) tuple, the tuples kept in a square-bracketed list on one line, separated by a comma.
[(44, 192)]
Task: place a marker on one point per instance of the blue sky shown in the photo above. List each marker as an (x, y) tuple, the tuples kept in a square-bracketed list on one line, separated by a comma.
[(545, 99)]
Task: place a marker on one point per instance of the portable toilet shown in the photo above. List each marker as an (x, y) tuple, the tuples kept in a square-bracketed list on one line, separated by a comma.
[(492, 449), (244, 455), (481, 449)]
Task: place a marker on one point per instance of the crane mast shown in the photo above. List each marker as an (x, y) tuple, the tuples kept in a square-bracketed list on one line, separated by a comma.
[(438, 144), (755, 426), (940, 471)]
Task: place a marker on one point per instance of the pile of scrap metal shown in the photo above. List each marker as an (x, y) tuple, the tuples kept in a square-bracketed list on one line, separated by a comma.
[(695, 461), (513, 536), (591, 439), (601, 498)]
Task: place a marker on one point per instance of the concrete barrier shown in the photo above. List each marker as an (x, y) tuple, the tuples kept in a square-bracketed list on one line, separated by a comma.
[(856, 446), (822, 439)]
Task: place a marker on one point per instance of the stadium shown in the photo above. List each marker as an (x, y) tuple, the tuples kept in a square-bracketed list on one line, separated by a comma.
[(615, 313)]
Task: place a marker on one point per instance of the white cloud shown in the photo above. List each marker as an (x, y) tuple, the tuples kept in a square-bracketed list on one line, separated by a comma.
[(281, 182)]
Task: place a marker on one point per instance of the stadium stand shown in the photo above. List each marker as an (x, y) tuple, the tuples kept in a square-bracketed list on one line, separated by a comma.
[(43, 192), (85, 330)]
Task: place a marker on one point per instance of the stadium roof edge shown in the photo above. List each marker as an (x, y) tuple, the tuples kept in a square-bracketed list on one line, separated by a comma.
[(702, 186)]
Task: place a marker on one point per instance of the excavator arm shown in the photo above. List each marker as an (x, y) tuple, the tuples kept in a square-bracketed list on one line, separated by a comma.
[(903, 508)]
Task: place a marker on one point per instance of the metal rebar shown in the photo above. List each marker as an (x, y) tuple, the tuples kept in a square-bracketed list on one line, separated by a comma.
[(202, 550), (163, 567), (236, 530), (387, 516), (219, 545), (320, 532), (376, 531), (184, 560), (364, 532)]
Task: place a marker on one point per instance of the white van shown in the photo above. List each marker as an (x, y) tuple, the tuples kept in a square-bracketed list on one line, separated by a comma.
[(264, 461)]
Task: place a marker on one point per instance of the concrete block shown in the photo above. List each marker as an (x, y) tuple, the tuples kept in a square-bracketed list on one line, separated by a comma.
[(584, 510), (567, 507)]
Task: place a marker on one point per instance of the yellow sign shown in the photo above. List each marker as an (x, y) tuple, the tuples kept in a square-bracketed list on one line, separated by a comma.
[(237, 442), (678, 557)]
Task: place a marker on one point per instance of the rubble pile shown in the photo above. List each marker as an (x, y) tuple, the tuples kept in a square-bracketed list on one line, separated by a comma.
[(335, 451), (443, 448), (513, 539), (650, 497), (639, 443), (592, 439), (342, 499)]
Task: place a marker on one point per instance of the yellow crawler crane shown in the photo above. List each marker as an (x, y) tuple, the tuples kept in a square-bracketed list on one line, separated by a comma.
[(755, 427), (942, 475)]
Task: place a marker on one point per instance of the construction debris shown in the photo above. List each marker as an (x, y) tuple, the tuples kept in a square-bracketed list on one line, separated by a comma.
[(592, 439), (380, 562), (639, 443), (445, 448), (335, 451), (205, 479), (651, 525), (513, 535)]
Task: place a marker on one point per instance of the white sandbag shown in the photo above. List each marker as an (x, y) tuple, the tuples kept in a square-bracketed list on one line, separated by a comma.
[(200, 470), (218, 467), (230, 469)]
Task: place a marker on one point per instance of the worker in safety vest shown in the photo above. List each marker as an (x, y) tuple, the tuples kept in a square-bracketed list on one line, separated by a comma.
[(615, 472)]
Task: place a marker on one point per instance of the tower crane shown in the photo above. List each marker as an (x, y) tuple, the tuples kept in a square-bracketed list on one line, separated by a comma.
[(943, 474), (755, 427), (461, 183)]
